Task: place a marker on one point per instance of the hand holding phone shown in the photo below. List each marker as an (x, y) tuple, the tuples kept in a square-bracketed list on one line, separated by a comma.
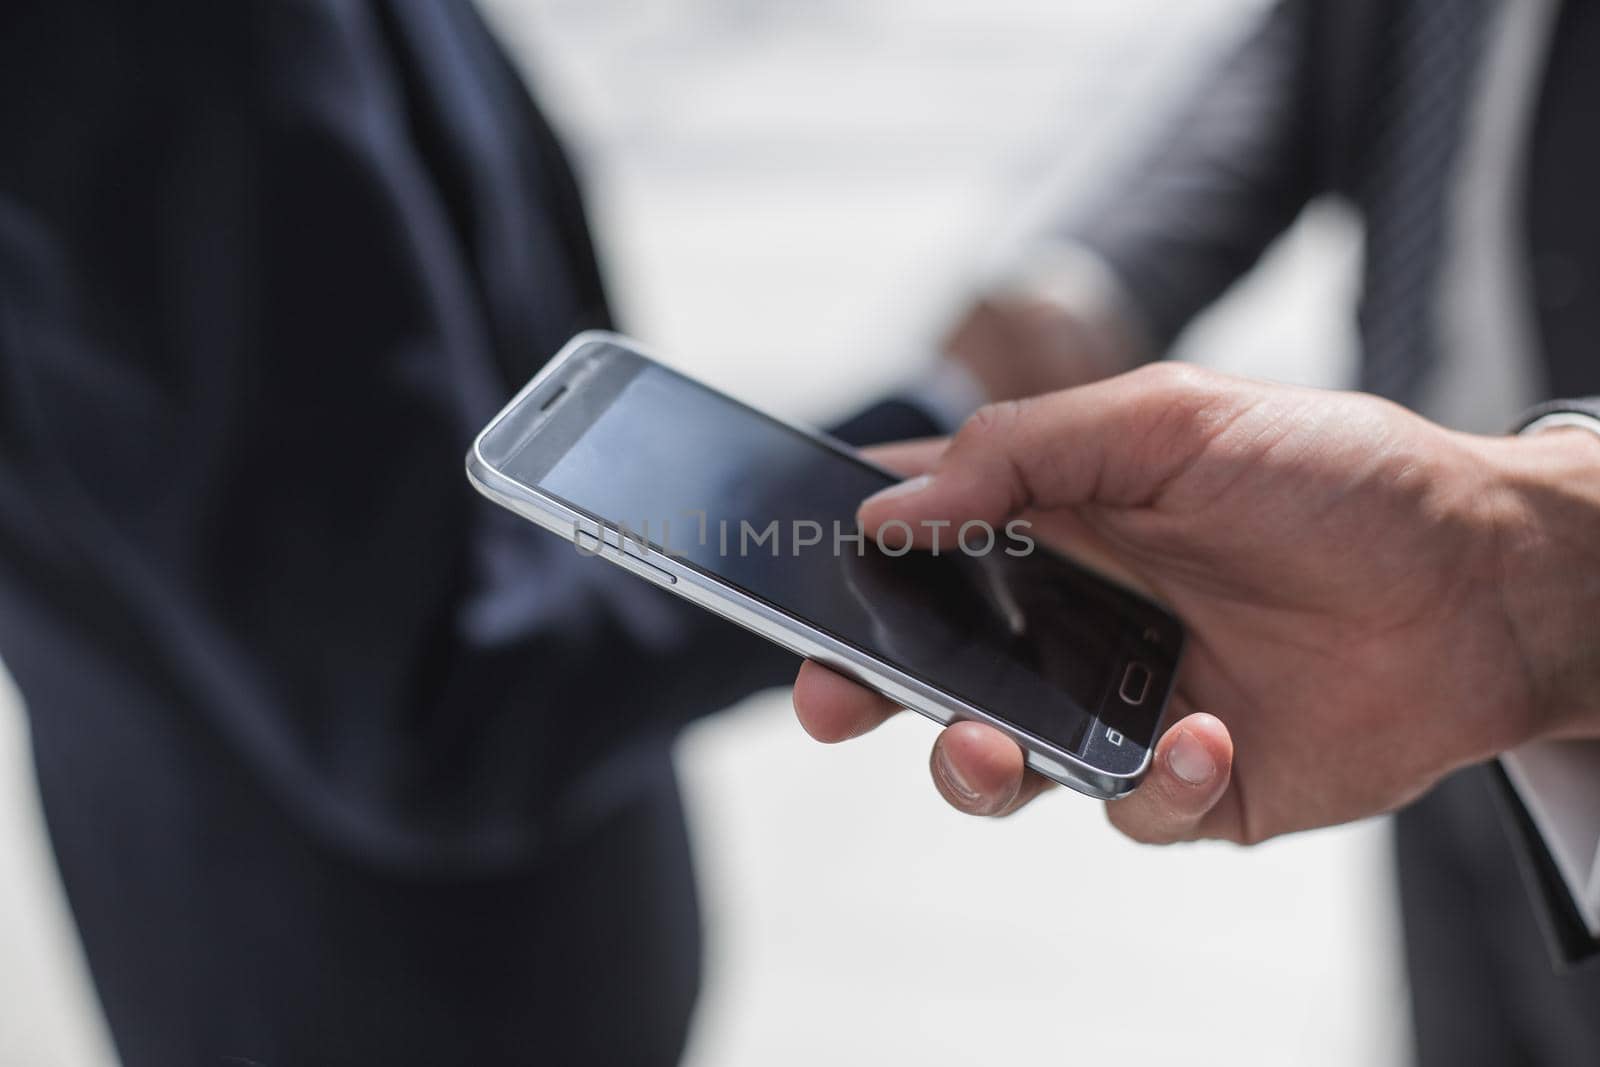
[(1353, 579), (980, 771), (755, 519)]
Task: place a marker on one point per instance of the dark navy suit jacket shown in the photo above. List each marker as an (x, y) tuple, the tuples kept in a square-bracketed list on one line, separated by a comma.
[(341, 763)]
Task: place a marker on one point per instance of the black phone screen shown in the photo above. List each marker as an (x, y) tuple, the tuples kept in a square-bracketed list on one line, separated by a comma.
[(993, 619)]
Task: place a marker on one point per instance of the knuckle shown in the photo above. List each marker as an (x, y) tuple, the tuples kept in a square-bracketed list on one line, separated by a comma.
[(1173, 376), (990, 421)]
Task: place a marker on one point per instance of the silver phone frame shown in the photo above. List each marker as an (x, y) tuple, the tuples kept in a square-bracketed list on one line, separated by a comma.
[(760, 618)]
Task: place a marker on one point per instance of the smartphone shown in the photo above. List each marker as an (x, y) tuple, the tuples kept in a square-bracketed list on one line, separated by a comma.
[(753, 518)]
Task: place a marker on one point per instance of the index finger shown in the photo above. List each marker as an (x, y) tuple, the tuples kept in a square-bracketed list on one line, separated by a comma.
[(1117, 442), (908, 458)]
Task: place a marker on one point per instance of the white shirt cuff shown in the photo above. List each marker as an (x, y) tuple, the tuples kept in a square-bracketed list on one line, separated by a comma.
[(1559, 781)]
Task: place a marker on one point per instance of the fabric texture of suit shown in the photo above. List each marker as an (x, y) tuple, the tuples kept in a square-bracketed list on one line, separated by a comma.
[(341, 763), (1288, 117)]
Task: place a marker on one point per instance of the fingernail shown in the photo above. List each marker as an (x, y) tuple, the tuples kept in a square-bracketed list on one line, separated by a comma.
[(952, 778), (909, 487), (1190, 760)]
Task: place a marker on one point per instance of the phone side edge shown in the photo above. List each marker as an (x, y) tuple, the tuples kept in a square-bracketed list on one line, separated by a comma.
[(805, 641)]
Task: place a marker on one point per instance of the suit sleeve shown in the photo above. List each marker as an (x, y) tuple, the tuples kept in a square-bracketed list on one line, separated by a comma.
[(1228, 173)]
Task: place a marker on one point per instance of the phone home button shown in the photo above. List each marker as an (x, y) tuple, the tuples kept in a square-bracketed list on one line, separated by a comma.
[(1135, 684)]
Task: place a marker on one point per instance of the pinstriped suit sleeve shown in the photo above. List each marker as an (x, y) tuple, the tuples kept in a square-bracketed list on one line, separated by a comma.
[(1231, 171)]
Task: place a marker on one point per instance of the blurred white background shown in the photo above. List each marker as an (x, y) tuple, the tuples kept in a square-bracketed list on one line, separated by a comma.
[(792, 198)]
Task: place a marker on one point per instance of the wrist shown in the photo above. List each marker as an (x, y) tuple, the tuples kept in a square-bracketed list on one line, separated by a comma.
[(1547, 529)]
